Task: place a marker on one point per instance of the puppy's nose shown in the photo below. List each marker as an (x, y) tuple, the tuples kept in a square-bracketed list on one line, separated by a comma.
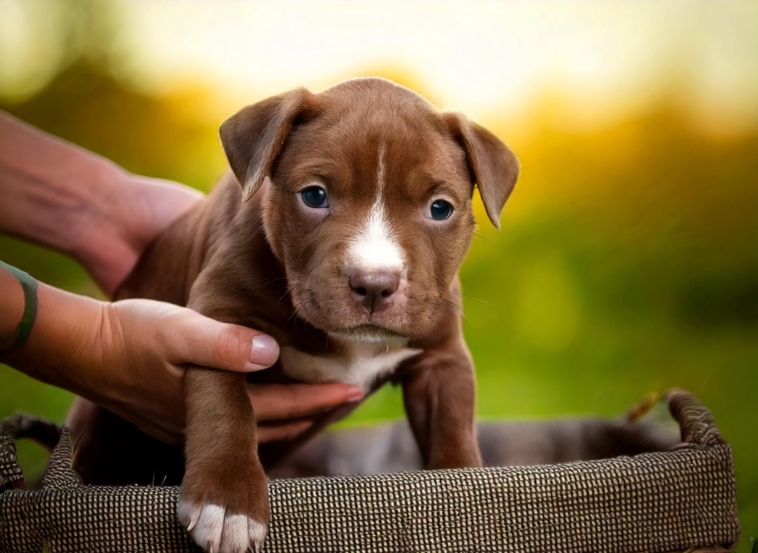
[(374, 289)]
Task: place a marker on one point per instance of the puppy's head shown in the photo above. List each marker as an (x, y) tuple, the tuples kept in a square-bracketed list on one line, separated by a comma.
[(368, 206)]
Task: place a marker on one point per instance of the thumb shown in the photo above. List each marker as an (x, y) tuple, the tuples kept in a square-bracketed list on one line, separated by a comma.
[(216, 345)]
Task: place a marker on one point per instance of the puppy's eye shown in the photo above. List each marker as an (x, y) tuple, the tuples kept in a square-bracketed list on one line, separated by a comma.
[(314, 196), (440, 210)]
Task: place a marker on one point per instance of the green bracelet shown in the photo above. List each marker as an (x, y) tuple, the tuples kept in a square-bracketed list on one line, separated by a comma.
[(29, 286)]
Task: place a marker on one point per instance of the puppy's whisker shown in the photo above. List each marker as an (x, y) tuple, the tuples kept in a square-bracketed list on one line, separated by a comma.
[(476, 299), (456, 307), (487, 238), (300, 304), (467, 297), (280, 279)]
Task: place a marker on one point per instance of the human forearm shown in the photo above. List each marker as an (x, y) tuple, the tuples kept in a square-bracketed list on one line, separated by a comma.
[(53, 192), (11, 308), (63, 340)]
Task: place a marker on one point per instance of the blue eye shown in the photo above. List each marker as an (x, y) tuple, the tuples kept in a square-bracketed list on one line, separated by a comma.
[(440, 210), (314, 196)]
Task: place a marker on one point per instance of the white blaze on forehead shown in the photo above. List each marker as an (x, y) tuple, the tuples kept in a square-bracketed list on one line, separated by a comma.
[(374, 246)]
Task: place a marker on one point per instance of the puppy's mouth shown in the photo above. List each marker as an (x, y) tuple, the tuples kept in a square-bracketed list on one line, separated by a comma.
[(344, 324), (369, 333)]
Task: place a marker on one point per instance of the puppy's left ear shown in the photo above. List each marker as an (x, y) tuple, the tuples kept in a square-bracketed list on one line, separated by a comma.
[(253, 137), (493, 166)]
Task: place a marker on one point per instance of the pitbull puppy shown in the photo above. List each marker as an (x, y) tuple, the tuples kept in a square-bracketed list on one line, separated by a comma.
[(343, 243)]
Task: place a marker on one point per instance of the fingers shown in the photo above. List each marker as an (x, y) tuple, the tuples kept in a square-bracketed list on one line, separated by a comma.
[(209, 343), (290, 401), (282, 432)]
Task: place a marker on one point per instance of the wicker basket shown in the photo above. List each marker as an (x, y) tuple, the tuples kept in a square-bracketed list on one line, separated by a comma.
[(679, 500)]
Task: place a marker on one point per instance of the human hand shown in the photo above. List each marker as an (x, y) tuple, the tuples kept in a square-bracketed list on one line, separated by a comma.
[(145, 347), (130, 356), (137, 209)]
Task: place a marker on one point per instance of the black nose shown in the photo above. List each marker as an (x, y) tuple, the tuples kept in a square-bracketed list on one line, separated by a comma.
[(374, 289)]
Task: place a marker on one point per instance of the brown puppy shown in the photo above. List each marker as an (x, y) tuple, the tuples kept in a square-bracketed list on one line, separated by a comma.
[(347, 253)]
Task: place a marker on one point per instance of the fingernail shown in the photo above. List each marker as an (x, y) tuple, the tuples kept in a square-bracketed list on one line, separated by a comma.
[(265, 350), (355, 395)]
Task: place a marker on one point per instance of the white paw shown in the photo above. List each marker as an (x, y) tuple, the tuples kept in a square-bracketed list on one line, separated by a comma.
[(217, 530)]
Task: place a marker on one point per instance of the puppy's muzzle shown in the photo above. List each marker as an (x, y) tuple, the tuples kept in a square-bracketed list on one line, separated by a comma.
[(374, 289)]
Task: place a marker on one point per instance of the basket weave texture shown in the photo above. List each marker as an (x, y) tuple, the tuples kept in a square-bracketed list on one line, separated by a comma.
[(680, 500)]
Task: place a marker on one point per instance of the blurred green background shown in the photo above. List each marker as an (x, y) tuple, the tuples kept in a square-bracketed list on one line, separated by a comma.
[(628, 258)]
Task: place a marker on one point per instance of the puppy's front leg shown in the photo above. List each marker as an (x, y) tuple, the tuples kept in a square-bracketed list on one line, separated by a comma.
[(439, 395), (224, 495), (223, 501)]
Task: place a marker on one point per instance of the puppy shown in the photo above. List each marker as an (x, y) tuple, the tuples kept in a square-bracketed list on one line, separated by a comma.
[(340, 233)]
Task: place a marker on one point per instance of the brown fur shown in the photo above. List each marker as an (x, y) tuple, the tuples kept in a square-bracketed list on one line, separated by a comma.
[(278, 267)]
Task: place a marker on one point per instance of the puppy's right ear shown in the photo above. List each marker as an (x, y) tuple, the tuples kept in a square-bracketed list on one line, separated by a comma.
[(253, 137)]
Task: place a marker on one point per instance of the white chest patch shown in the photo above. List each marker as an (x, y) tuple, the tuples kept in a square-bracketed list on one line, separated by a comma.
[(359, 364)]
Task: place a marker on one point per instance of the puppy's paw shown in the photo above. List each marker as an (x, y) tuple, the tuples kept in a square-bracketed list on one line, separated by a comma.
[(228, 517), (218, 530)]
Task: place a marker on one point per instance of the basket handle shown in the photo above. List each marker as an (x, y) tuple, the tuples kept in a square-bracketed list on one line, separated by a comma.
[(695, 420), (59, 473)]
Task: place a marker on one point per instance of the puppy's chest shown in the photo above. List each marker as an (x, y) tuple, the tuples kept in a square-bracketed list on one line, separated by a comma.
[(358, 364)]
